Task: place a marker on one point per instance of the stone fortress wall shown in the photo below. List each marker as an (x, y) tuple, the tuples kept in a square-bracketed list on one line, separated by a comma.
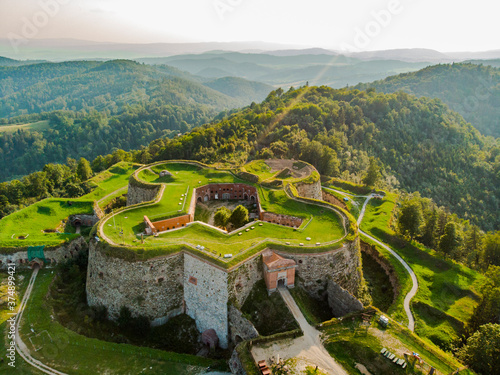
[(312, 190), (52, 256), (166, 286), (163, 287)]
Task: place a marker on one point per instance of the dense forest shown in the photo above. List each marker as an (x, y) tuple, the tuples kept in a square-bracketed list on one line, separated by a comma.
[(471, 90), (108, 86)]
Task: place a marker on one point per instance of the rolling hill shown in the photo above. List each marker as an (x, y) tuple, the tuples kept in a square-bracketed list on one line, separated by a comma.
[(471, 90)]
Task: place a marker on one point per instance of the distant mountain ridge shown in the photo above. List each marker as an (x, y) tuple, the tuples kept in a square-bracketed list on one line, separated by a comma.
[(111, 85)]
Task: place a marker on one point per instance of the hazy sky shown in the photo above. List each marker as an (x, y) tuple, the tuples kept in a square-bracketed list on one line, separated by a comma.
[(445, 25)]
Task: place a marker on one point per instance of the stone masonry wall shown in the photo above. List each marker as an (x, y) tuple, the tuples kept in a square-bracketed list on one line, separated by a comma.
[(137, 194), (330, 198), (310, 190), (65, 251), (153, 288), (341, 301), (206, 296), (240, 326), (243, 278), (341, 265)]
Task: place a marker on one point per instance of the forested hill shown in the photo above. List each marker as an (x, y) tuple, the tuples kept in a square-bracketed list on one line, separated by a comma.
[(471, 90), (427, 147), (86, 85)]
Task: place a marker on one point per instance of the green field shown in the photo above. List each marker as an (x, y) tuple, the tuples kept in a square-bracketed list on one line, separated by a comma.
[(49, 214), (32, 221), (109, 181), (320, 224), (447, 291), (72, 353), (34, 126)]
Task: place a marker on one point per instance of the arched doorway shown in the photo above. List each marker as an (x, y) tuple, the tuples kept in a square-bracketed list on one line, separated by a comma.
[(245, 196), (199, 199)]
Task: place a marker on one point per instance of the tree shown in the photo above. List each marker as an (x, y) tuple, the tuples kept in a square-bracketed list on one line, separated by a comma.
[(488, 309), (410, 218), (449, 241), (491, 252), (239, 216), (429, 229), (373, 173), (83, 170), (221, 217), (482, 350)]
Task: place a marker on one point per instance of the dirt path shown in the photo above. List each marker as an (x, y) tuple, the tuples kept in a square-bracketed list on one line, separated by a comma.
[(308, 347), (21, 347), (414, 288)]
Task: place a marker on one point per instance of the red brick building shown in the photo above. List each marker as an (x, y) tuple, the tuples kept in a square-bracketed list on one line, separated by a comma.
[(278, 271)]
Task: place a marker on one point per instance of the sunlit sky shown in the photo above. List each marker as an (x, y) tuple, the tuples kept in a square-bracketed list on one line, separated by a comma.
[(444, 25)]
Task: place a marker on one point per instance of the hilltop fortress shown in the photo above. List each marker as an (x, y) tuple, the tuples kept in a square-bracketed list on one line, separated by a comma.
[(157, 259)]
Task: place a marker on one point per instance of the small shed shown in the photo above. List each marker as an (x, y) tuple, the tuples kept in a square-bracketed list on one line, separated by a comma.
[(165, 173), (210, 338)]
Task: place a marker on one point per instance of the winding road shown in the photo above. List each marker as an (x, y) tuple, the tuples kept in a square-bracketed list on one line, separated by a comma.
[(414, 288)]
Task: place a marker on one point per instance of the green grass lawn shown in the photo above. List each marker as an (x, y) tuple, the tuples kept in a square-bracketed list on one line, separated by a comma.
[(259, 168), (124, 228), (33, 220), (49, 213), (72, 353), (447, 292), (36, 126), (109, 181)]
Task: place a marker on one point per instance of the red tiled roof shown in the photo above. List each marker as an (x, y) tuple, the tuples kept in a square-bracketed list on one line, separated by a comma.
[(275, 261)]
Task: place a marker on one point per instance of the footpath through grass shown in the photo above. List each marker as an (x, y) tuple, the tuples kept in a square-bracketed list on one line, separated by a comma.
[(72, 353), (447, 292)]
